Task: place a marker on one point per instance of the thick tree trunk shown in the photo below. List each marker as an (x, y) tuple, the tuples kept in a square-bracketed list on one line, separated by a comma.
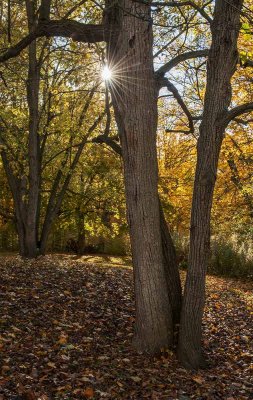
[(169, 252), (133, 92), (220, 69)]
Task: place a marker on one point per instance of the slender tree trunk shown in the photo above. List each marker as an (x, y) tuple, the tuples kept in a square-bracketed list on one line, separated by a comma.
[(17, 191), (80, 233), (221, 66), (33, 144), (33, 151), (134, 98), (171, 271), (80, 218)]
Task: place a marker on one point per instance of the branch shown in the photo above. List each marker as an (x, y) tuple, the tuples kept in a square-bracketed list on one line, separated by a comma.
[(44, 10), (244, 122), (236, 111), (171, 88), (178, 59), (178, 131), (75, 30), (247, 63), (16, 50), (183, 4), (109, 142)]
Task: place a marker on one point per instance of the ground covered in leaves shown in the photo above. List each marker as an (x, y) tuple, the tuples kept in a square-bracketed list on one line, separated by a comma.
[(66, 327)]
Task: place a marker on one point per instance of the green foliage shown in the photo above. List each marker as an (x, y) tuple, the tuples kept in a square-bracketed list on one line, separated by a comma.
[(228, 259), (118, 246), (231, 258)]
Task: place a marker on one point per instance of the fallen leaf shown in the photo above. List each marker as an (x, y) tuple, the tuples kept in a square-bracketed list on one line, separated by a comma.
[(89, 393), (136, 378), (51, 364), (198, 379)]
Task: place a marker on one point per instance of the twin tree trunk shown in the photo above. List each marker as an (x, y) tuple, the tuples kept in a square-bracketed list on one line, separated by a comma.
[(221, 66), (134, 95)]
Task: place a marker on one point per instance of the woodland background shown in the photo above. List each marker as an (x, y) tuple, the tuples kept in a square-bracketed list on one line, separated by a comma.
[(91, 217)]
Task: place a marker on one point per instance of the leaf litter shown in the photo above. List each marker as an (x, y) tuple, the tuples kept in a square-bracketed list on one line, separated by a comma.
[(66, 330)]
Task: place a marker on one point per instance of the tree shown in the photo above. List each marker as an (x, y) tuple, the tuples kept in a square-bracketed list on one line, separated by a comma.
[(222, 60), (28, 170), (127, 30)]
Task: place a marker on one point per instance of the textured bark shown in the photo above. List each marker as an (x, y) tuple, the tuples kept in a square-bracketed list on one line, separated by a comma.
[(26, 194), (169, 252), (171, 272), (133, 90), (221, 66), (33, 152), (17, 193), (33, 80)]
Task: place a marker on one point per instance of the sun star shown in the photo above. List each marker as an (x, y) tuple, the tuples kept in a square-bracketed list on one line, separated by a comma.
[(106, 73)]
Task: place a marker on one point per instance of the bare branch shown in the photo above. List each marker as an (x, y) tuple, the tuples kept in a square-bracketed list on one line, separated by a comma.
[(171, 88), (247, 63), (201, 10), (178, 131), (178, 59), (237, 111), (109, 142)]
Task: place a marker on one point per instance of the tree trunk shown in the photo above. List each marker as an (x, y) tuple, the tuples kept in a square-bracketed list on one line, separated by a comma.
[(33, 143), (171, 271), (221, 66), (80, 233), (134, 98), (169, 252)]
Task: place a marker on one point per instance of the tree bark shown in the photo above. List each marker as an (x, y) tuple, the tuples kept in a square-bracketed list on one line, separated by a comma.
[(33, 82), (133, 90), (80, 233), (169, 252), (221, 66), (171, 272)]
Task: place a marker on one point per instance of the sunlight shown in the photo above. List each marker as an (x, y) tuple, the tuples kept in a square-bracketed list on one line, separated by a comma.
[(106, 73)]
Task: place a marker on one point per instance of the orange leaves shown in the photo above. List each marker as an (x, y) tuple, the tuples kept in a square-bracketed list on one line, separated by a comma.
[(63, 339), (89, 393), (198, 379), (79, 346)]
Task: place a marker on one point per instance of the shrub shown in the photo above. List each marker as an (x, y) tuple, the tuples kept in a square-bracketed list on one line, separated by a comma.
[(230, 259), (233, 258)]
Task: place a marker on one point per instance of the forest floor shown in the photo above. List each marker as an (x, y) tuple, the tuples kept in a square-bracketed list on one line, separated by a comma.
[(66, 328)]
